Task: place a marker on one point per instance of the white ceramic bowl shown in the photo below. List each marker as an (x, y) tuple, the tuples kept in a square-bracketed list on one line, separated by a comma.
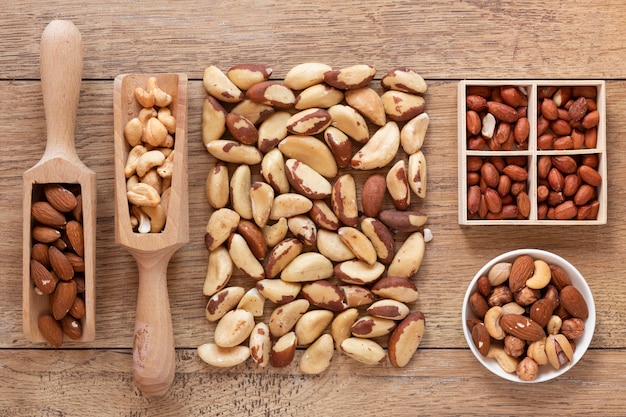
[(546, 372)]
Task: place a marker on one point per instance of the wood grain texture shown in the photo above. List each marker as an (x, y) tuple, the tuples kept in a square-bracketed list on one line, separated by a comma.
[(444, 42)]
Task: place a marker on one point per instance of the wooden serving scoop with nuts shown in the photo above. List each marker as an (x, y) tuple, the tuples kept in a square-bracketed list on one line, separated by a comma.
[(153, 348), (50, 221)]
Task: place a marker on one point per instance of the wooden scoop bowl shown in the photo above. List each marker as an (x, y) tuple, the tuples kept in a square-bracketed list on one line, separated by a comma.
[(61, 72), (153, 347)]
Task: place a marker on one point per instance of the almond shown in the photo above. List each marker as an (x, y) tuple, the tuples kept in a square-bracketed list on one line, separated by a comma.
[(573, 301), (44, 213), (481, 338), (39, 252), (45, 281), (541, 311), (60, 264), (522, 327), (75, 235), (522, 269), (78, 308), (72, 327), (51, 330), (60, 197), (62, 298)]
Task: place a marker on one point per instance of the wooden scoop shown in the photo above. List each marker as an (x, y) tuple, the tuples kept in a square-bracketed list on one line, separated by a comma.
[(61, 72), (153, 347)]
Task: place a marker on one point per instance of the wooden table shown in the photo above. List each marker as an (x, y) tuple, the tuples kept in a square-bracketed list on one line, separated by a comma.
[(445, 42)]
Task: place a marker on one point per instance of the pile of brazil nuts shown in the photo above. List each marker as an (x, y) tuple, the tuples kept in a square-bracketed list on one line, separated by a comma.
[(57, 260), (150, 163), (527, 314), (324, 272)]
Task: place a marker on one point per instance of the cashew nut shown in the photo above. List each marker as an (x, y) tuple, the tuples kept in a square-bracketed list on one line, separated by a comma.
[(157, 217), (134, 179), (541, 276), (145, 98), (169, 121), (155, 132), (133, 131), (152, 177), (133, 158), (492, 322), (161, 98), (146, 114), (143, 225), (143, 195), (506, 362), (149, 160), (167, 168)]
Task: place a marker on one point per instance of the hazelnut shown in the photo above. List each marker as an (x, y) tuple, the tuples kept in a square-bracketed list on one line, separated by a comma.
[(500, 295), (527, 369), (526, 296), (514, 346), (573, 328)]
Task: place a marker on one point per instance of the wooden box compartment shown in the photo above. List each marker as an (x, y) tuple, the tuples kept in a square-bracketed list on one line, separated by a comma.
[(557, 140)]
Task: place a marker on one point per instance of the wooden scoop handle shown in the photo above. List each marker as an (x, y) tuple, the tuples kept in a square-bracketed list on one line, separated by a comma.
[(61, 72), (154, 358)]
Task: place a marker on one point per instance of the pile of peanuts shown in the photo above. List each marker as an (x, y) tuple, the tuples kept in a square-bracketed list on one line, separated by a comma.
[(498, 186), (526, 313), (57, 260), (150, 162), (287, 216)]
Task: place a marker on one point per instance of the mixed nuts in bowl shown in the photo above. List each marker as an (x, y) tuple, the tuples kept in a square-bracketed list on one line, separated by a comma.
[(528, 315)]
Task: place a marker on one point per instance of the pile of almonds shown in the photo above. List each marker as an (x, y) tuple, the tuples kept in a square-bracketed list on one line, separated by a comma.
[(286, 214), (527, 314), (150, 162), (57, 260)]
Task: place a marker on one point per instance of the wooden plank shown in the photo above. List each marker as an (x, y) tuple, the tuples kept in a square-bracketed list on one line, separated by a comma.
[(99, 382), (440, 39)]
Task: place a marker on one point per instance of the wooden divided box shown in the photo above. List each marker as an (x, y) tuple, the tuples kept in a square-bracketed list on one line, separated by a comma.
[(532, 152)]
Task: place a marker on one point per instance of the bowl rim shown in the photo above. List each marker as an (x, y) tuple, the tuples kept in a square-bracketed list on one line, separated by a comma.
[(546, 372)]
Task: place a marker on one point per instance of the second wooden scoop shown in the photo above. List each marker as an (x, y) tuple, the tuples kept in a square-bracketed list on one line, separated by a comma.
[(153, 347)]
